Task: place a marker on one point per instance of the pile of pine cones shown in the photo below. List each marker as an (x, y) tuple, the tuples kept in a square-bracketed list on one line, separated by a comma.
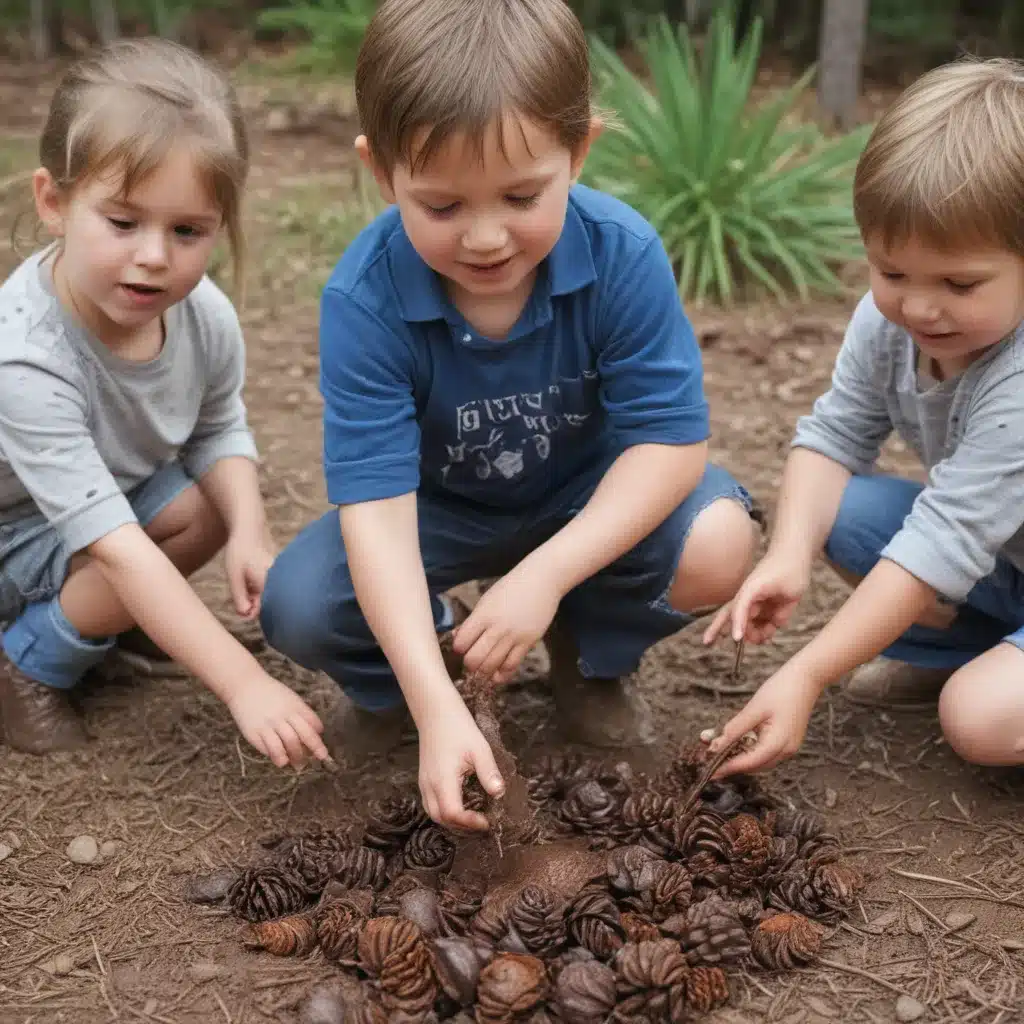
[(686, 893)]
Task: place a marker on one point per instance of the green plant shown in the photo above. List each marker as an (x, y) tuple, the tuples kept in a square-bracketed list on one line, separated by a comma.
[(739, 195), (334, 30)]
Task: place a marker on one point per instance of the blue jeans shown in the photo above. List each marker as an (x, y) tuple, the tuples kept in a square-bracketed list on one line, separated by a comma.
[(311, 614), (871, 514)]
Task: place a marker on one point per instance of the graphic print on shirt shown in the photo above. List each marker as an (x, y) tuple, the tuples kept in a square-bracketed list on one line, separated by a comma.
[(503, 438)]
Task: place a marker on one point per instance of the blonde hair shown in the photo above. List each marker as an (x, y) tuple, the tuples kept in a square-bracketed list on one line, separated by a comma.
[(123, 108), (946, 161), (451, 67)]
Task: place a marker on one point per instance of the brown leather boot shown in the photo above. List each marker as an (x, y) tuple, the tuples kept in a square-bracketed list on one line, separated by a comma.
[(608, 713), (37, 719), (353, 735)]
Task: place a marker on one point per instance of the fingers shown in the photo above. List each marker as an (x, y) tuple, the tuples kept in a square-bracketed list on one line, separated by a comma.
[(486, 769), (718, 623), (771, 749), (510, 666), (271, 745), (450, 810), (240, 593), (749, 719), (469, 632), (291, 742), (309, 736), (498, 656)]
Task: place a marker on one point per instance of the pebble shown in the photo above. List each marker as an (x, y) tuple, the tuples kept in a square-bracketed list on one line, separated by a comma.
[(1012, 945), (83, 850), (908, 1009), (5, 851), (958, 920), (915, 923), (831, 798), (109, 849), (210, 888), (204, 970), (11, 839), (60, 965), (324, 1006)]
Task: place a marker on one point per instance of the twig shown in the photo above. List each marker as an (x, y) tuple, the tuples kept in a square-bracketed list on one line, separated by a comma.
[(241, 760), (106, 997), (224, 1009), (923, 909), (735, 677), (99, 961), (933, 878), (836, 965)]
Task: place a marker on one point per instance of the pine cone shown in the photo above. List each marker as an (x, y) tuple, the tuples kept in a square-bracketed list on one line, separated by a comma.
[(585, 993), (638, 929), (309, 855), (593, 921), (382, 937), (589, 807), (537, 917), (457, 909), (837, 883), (707, 868), (263, 893), (824, 893), (710, 933), (331, 1004), (671, 893), (338, 924), (407, 982), (783, 856), (706, 989), (804, 826), (685, 768), (360, 868), (553, 776), (389, 900), (632, 869), (429, 849), (511, 984), (392, 821), (749, 851), (490, 924), (651, 981), (786, 941), (723, 798), (649, 816), (287, 936), (704, 832), (457, 966)]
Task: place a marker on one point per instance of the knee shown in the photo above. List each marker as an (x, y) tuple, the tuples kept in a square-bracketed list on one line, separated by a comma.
[(976, 722), (192, 514), (717, 557)]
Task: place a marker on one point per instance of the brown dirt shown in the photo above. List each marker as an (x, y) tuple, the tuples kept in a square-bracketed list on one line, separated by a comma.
[(171, 784)]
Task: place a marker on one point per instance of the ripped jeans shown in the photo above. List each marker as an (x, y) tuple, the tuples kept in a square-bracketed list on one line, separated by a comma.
[(311, 615)]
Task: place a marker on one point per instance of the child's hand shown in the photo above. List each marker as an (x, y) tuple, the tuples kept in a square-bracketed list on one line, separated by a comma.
[(247, 560), (765, 601), (778, 713), (277, 722), (451, 746), (507, 621)]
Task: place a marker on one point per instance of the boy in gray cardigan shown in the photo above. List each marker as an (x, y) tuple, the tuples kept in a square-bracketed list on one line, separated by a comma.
[(935, 353)]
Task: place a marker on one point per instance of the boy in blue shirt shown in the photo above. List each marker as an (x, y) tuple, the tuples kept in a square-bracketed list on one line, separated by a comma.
[(511, 390)]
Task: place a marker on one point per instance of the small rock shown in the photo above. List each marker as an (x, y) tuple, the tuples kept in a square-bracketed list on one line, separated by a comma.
[(707, 735), (831, 798), (151, 1007), (958, 920), (11, 839), (820, 1007), (915, 923), (886, 920), (1012, 945), (804, 354), (60, 965), (5, 851), (83, 850), (908, 1009), (109, 849), (211, 888), (203, 971), (324, 1006)]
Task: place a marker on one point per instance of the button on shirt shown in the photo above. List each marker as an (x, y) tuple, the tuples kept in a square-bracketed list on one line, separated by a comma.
[(601, 358)]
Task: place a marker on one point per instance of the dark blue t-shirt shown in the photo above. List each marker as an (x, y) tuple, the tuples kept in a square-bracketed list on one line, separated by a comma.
[(602, 358)]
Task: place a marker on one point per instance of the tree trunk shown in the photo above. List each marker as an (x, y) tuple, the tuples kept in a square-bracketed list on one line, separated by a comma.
[(42, 40), (843, 31), (104, 18)]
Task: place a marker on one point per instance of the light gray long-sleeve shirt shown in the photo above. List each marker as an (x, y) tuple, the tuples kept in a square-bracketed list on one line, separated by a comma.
[(968, 432), (80, 426)]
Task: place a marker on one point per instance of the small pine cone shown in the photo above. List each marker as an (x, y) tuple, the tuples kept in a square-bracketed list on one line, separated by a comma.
[(338, 924), (511, 984), (706, 989), (751, 910), (639, 929), (686, 767), (474, 797), (287, 936), (392, 821), (648, 815), (836, 883), (382, 937), (821, 850), (309, 856), (407, 982), (457, 909), (389, 900), (651, 980), (671, 893), (710, 933), (749, 851), (705, 832), (786, 941), (360, 868), (594, 922), (783, 856), (824, 893), (585, 993), (263, 893), (631, 869), (457, 966), (429, 849), (537, 917), (490, 924), (589, 807), (707, 868), (804, 826), (553, 776)]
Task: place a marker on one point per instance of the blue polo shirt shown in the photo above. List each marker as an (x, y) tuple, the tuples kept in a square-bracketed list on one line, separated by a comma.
[(601, 358)]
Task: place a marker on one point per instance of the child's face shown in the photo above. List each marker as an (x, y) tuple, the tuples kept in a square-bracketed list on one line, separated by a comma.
[(126, 260), (954, 305), (485, 225)]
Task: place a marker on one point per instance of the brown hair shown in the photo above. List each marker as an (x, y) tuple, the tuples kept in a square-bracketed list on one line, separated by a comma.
[(124, 107), (946, 161), (452, 67)]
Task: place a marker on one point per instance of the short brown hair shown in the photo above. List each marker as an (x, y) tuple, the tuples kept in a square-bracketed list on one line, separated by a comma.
[(946, 161), (124, 107), (452, 67)]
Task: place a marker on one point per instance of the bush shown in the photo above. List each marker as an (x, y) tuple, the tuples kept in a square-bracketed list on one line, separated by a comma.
[(333, 30), (739, 196)]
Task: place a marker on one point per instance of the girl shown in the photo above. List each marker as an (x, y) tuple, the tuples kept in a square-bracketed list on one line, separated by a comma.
[(126, 459)]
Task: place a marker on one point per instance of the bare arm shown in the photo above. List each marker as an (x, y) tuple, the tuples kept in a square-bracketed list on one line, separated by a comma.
[(232, 486)]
